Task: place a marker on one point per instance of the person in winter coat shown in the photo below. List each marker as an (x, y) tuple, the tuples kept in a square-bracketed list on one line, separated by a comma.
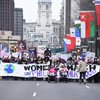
[(82, 68)]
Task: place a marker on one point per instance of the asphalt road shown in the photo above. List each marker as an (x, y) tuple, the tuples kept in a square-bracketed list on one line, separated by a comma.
[(42, 90)]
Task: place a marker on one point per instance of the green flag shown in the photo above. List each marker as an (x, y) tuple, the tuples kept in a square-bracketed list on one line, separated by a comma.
[(78, 26), (92, 29)]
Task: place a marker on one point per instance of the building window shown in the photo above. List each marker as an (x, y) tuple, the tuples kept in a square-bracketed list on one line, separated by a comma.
[(48, 25), (34, 29), (47, 7), (50, 39), (54, 40), (47, 16), (39, 25), (54, 29), (39, 6)]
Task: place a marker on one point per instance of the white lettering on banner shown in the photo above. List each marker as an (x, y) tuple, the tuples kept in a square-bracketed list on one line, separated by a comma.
[(39, 70)]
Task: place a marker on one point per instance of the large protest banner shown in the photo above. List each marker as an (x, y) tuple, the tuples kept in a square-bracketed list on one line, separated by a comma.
[(40, 70), (23, 70)]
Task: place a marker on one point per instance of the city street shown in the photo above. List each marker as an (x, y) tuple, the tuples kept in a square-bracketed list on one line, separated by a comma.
[(44, 40), (42, 90)]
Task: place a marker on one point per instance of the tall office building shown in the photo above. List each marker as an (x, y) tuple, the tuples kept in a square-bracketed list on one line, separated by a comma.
[(67, 16), (7, 15), (18, 22), (62, 35), (87, 5), (75, 9)]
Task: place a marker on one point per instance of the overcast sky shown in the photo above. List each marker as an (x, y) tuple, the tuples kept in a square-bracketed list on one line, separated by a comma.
[(30, 9)]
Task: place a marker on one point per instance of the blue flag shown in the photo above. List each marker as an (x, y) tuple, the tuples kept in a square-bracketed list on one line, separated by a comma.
[(77, 32), (65, 45)]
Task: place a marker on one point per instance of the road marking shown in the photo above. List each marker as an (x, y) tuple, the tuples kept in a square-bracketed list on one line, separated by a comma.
[(38, 84), (34, 94), (87, 87)]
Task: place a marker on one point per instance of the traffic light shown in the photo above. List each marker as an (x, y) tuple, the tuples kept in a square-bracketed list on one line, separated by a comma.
[(14, 49), (78, 51)]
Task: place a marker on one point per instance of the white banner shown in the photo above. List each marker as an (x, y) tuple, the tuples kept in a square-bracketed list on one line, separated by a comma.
[(40, 70), (23, 70), (91, 71)]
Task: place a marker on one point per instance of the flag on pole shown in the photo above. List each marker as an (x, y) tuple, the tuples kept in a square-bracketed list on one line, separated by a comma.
[(78, 32), (89, 24), (78, 39), (83, 30), (65, 45), (92, 24), (75, 34), (72, 31), (92, 29), (77, 28), (97, 8), (70, 45), (85, 18), (73, 37)]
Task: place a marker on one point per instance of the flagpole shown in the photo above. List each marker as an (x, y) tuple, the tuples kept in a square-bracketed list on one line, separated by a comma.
[(96, 33)]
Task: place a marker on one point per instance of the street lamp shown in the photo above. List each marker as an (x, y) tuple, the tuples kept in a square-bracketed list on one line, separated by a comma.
[(91, 45)]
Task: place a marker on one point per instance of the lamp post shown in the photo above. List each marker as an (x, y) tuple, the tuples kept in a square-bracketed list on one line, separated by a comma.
[(97, 17), (96, 34), (91, 42)]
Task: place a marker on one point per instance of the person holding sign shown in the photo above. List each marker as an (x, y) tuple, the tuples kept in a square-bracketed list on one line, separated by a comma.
[(82, 68)]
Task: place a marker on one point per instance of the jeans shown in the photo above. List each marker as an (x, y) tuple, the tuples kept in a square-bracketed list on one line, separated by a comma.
[(82, 74)]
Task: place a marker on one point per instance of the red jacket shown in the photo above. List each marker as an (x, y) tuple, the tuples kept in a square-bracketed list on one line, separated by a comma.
[(52, 70)]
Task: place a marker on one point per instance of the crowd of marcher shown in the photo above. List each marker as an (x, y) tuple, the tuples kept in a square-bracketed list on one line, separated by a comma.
[(26, 60), (72, 63)]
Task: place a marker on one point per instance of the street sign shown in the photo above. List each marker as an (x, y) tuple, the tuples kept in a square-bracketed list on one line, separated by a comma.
[(98, 38), (91, 41)]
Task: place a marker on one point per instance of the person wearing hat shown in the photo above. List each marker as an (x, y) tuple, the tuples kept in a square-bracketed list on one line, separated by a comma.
[(82, 68)]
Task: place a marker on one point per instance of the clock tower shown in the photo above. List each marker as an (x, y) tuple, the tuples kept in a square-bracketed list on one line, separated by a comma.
[(45, 18)]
